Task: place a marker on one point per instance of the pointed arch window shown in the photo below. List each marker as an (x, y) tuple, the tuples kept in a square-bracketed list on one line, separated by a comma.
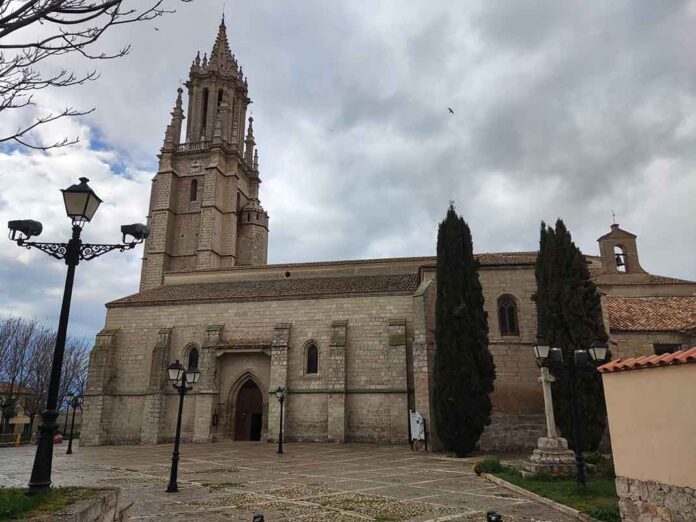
[(192, 359), (312, 359), (193, 195), (507, 315)]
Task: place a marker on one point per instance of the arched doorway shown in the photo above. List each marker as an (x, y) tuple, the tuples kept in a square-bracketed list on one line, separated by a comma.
[(249, 412)]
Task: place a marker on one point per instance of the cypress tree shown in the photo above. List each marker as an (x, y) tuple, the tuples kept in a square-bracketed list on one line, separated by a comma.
[(569, 316), (464, 371)]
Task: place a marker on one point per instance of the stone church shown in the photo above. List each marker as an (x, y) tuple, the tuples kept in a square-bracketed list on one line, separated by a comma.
[(351, 341)]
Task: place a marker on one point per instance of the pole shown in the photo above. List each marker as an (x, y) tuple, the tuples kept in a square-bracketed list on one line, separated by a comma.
[(577, 434), (40, 481), (72, 426), (172, 487), (67, 414), (546, 379), (280, 428)]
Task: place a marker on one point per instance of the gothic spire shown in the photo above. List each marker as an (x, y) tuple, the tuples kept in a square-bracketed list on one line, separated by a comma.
[(221, 58)]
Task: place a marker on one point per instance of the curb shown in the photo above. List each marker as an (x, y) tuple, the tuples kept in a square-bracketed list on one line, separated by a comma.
[(566, 510)]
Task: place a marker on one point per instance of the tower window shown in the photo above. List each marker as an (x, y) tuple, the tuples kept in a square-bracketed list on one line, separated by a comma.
[(192, 359), (312, 359), (507, 315), (620, 257), (219, 102), (204, 121), (193, 195)]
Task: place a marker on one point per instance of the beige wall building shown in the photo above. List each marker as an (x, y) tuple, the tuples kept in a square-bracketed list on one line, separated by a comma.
[(650, 405), (352, 341)]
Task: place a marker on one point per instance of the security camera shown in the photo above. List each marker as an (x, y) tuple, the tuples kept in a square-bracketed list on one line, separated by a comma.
[(26, 228), (137, 231)]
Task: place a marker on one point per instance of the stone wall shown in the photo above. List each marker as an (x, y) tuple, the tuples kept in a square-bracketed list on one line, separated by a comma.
[(645, 501), (373, 394), (513, 432)]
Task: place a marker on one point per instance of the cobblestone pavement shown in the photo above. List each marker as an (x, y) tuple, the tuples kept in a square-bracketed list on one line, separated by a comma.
[(311, 482)]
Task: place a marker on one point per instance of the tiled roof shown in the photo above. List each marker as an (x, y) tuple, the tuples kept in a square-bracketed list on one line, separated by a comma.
[(652, 314), (485, 258), (651, 361), (302, 288), (649, 279)]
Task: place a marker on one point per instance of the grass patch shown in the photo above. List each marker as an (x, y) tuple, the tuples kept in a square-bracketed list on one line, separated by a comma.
[(15, 503), (598, 499)]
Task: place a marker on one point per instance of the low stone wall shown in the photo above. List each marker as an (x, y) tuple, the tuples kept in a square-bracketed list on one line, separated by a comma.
[(101, 508), (513, 432), (641, 501)]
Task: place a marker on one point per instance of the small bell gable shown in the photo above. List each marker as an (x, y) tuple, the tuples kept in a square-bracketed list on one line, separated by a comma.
[(619, 252)]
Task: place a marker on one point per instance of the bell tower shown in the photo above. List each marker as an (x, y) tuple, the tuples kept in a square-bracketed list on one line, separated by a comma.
[(204, 209)]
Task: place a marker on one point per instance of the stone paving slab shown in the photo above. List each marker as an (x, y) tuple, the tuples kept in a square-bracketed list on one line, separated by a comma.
[(310, 482)]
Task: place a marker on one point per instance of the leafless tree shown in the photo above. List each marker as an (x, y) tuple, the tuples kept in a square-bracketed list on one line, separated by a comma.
[(65, 26), (28, 357)]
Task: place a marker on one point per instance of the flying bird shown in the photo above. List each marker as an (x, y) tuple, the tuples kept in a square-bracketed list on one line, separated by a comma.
[(450, 109), (156, 28)]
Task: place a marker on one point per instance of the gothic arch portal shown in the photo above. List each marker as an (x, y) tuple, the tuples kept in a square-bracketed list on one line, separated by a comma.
[(240, 403)]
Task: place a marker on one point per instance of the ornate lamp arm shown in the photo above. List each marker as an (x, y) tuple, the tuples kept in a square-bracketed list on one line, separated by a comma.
[(90, 251), (87, 251), (57, 250)]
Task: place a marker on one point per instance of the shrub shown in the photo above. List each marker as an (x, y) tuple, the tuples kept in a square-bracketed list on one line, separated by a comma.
[(489, 465)]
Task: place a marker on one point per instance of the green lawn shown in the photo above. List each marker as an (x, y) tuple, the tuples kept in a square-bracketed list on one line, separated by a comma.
[(597, 500), (15, 503)]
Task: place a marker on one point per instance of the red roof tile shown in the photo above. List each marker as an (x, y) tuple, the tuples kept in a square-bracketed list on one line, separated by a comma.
[(652, 314), (650, 361)]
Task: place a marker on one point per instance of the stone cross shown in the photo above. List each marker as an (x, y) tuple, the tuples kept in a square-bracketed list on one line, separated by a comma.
[(546, 379)]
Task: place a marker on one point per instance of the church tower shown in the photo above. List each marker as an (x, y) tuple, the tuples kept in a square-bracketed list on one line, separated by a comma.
[(204, 210)]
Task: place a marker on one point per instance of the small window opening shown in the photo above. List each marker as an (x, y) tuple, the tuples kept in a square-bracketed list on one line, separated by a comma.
[(663, 348), (193, 196), (312, 359), (204, 121), (193, 359), (620, 257), (257, 216), (507, 315), (219, 102)]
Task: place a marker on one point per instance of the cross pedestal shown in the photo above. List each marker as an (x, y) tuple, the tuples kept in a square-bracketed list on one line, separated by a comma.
[(552, 456)]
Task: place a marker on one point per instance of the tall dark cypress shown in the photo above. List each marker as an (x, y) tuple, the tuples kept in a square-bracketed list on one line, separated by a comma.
[(464, 371), (569, 315)]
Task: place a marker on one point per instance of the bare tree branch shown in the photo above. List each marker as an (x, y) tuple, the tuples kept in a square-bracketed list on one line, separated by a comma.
[(69, 26)]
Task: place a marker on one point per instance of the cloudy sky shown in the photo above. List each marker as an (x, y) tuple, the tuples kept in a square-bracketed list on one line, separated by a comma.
[(569, 109)]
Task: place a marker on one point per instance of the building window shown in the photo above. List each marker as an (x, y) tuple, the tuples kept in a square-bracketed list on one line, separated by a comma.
[(663, 348), (312, 359), (193, 195), (192, 359), (507, 315)]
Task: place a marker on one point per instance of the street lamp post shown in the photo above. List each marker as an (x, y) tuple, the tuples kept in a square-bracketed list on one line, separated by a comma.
[(180, 380), (551, 357), (280, 394), (76, 402), (81, 204)]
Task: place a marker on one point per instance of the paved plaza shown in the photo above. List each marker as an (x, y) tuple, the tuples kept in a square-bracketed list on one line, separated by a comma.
[(311, 482)]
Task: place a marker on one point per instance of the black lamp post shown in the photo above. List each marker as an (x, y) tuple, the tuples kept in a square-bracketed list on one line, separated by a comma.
[(280, 394), (81, 203), (180, 379), (553, 358), (76, 402)]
